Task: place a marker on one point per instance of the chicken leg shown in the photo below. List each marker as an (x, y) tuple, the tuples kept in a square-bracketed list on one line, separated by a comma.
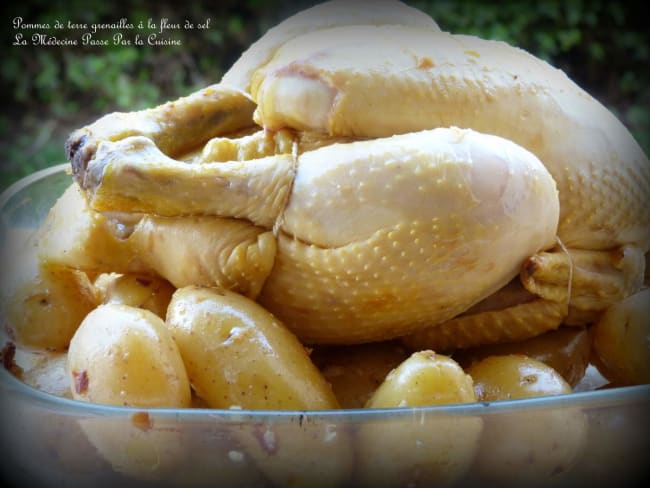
[(185, 124), (176, 127), (404, 232), (192, 250), (375, 238)]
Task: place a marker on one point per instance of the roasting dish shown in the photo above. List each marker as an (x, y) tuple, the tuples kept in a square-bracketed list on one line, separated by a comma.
[(48, 440)]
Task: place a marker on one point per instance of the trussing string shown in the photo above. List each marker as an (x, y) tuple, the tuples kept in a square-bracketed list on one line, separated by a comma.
[(294, 169), (568, 254)]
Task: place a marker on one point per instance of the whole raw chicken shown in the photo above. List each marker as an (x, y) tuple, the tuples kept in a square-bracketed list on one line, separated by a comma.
[(407, 182)]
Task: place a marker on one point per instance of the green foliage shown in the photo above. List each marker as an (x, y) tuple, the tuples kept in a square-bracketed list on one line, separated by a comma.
[(602, 45), (54, 89)]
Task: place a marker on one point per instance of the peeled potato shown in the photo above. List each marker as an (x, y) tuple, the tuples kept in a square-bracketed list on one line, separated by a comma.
[(303, 452), (238, 355), (122, 355), (525, 446), (422, 450), (621, 344)]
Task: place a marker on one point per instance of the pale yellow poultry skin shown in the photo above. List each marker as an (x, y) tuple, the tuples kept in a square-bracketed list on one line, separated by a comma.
[(385, 236)]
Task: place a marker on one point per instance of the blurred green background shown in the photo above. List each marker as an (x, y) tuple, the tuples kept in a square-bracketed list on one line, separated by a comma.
[(51, 90)]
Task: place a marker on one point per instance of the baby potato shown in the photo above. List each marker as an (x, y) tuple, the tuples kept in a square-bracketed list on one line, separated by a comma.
[(356, 371), (529, 446), (45, 312), (515, 376), (122, 355), (305, 452), (425, 378), (238, 355), (621, 343), (565, 349), (422, 450), (138, 446), (45, 371), (147, 292), (42, 305)]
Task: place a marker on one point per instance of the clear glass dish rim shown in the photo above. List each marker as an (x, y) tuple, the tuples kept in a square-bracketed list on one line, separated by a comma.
[(9, 384), (25, 181), (607, 398)]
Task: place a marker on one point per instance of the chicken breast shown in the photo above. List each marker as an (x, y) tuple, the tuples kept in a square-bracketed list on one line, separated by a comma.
[(376, 81)]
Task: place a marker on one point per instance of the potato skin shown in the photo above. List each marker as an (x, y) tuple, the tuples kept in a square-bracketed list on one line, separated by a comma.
[(529, 446), (565, 349), (122, 355), (138, 446), (300, 454), (46, 311), (425, 378), (514, 376), (42, 304), (238, 355), (420, 450)]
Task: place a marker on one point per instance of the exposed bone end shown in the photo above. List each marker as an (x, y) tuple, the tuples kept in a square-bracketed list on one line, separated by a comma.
[(79, 153), (83, 144), (175, 127), (133, 175)]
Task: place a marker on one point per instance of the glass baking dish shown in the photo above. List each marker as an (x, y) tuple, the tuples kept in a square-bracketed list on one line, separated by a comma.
[(591, 436)]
